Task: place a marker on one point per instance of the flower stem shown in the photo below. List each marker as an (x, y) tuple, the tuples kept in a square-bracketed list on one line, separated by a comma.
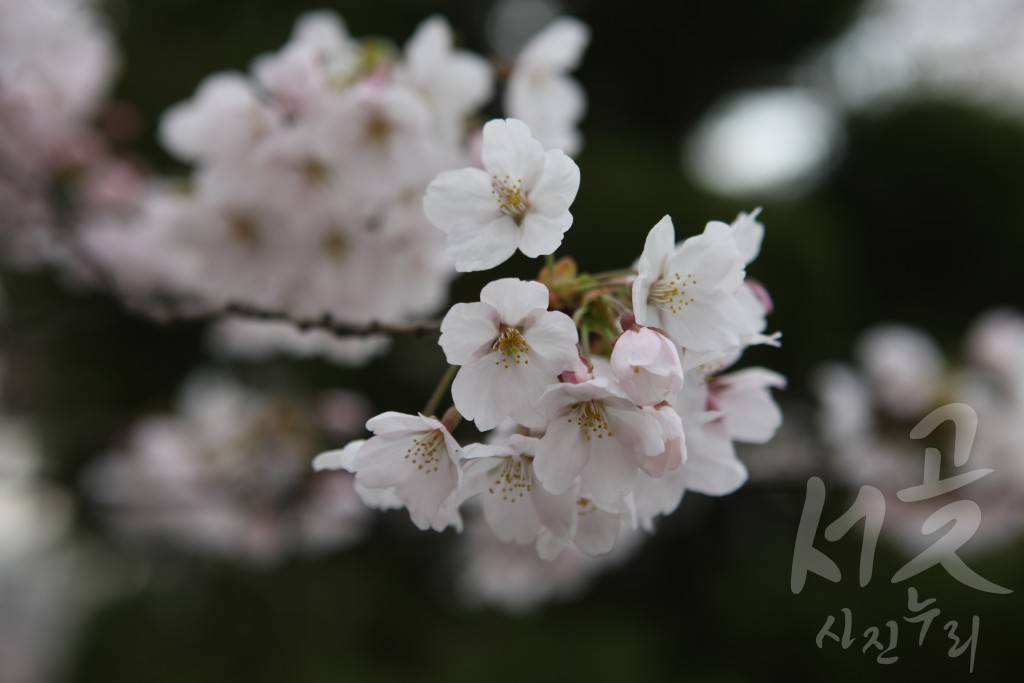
[(440, 390)]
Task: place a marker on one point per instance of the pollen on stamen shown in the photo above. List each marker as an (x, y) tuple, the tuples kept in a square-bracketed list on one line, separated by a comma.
[(511, 347)]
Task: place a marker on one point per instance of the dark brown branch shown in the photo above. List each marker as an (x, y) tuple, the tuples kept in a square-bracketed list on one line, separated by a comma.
[(327, 323)]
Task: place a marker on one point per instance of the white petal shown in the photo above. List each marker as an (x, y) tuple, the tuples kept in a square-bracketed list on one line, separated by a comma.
[(751, 414), (558, 46), (462, 198), (556, 190), (341, 459), (510, 150), (610, 470), (712, 257), (540, 235), (510, 514), (712, 467), (484, 247), (560, 455), (468, 331), (596, 531), (515, 299), (394, 423), (487, 392), (553, 337)]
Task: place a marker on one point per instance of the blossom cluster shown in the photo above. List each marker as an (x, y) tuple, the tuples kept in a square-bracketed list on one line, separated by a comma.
[(603, 397), (902, 375), (307, 177), (227, 474), (57, 61)]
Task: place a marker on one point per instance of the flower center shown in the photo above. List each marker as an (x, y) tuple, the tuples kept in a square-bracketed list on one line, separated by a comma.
[(670, 293), (590, 417), (511, 345), (244, 230), (511, 199), (512, 480), (426, 452)]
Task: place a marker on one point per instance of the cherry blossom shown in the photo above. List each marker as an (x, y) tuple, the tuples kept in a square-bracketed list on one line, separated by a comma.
[(416, 458), (540, 92), (515, 505), (519, 200), (596, 433), (691, 290), (511, 349), (647, 365)]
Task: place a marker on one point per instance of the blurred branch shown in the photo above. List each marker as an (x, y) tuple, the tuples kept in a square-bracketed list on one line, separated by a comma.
[(327, 323)]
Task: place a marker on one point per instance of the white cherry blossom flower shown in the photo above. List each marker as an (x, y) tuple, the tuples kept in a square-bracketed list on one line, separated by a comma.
[(417, 458), (519, 200), (454, 82), (691, 290), (749, 411), (596, 433), (224, 120), (515, 505), (904, 367), (511, 349), (539, 90)]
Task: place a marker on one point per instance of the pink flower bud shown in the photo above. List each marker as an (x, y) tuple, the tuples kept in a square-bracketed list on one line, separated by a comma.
[(647, 365)]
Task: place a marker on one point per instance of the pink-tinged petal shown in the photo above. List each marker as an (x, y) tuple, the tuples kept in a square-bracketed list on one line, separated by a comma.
[(462, 198), (341, 459), (540, 235), (468, 331), (394, 424), (634, 428), (560, 455), (675, 444), (751, 415), (484, 247), (596, 530), (712, 467), (509, 150), (556, 190), (514, 299), (610, 470), (552, 336)]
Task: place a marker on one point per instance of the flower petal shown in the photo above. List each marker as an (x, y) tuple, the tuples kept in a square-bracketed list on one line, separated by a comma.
[(514, 299), (467, 332), (560, 455), (509, 149), (541, 235), (482, 248), (460, 198)]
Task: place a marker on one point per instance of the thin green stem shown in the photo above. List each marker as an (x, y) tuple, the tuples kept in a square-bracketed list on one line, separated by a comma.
[(440, 390), (549, 260)]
